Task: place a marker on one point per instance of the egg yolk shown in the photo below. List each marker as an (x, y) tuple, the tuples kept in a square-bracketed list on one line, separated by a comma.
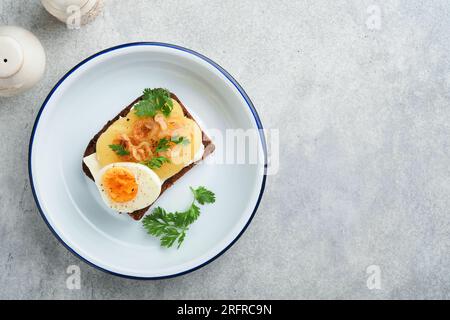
[(120, 184)]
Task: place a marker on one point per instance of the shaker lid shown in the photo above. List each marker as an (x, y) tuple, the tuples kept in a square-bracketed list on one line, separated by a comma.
[(11, 57)]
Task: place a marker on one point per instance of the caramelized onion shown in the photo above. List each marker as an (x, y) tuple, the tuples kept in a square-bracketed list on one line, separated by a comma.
[(139, 152), (159, 118)]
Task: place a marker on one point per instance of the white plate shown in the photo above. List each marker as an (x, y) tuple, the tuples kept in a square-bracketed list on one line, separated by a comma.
[(79, 105)]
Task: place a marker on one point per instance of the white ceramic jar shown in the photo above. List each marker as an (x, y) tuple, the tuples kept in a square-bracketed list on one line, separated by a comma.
[(22, 60), (64, 10)]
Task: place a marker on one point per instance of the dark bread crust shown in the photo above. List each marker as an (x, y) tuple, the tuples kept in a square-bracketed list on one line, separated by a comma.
[(91, 148)]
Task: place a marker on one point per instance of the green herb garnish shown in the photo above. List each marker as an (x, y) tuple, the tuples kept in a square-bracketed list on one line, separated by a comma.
[(154, 100), (163, 145), (172, 227), (119, 149), (203, 195), (180, 140), (155, 162)]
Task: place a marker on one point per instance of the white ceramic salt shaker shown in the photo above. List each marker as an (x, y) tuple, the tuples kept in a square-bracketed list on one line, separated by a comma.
[(22, 60), (68, 10)]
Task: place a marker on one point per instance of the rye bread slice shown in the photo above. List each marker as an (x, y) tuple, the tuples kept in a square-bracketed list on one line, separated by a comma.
[(91, 148)]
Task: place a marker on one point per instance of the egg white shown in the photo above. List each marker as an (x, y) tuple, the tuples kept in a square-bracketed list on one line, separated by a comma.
[(149, 187), (147, 192)]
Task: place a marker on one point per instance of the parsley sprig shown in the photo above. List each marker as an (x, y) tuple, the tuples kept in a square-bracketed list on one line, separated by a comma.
[(203, 195), (154, 100), (164, 143), (172, 227), (155, 162), (119, 149)]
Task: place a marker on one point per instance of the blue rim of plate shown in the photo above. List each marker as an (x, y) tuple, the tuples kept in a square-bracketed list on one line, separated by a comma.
[(228, 76)]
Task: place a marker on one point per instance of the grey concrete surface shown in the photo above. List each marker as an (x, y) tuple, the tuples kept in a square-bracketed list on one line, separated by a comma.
[(362, 103)]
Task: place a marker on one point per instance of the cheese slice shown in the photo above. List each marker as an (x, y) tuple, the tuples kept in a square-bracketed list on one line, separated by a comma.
[(94, 166), (92, 163), (177, 124)]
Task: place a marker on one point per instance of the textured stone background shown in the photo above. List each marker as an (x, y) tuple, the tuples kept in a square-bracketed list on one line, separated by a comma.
[(364, 176)]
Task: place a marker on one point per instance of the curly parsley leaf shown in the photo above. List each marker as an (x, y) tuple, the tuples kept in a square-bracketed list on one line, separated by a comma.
[(154, 100), (203, 195), (170, 227), (155, 162), (181, 238), (156, 223), (161, 224), (119, 149), (163, 145), (145, 108), (187, 217)]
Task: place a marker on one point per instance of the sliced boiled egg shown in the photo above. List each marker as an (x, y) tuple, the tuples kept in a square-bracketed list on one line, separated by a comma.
[(128, 186)]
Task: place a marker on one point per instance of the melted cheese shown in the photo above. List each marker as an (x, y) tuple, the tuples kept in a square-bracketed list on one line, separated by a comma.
[(180, 156)]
